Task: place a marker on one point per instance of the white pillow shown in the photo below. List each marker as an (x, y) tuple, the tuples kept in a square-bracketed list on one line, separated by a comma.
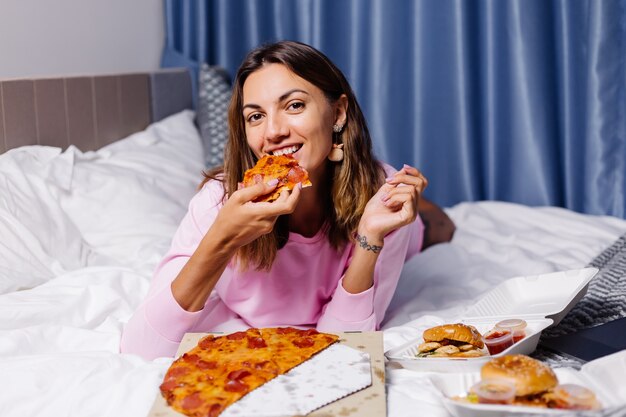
[(38, 241), (128, 198)]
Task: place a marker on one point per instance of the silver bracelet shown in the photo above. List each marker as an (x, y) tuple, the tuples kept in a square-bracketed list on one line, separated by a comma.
[(363, 243)]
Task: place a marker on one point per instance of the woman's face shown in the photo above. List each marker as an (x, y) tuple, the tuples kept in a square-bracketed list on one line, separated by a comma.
[(285, 114)]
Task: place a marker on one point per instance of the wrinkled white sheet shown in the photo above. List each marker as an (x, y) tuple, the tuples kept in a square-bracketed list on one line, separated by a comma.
[(59, 341), (59, 335)]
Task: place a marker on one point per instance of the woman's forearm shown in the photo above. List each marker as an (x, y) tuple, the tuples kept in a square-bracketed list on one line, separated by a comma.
[(193, 285), (360, 274)]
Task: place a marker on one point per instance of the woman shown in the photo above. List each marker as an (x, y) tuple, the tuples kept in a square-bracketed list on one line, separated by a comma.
[(327, 256)]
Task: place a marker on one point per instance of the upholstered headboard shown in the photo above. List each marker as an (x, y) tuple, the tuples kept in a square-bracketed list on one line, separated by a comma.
[(88, 111)]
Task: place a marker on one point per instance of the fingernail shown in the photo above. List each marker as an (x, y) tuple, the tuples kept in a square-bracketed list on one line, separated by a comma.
[(406, 166), (389, 179), (300, 185), (272, 182)]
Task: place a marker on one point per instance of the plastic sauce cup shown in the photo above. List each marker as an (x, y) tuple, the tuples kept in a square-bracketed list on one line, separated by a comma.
[(498, 340), (494, 391), (517, 326), (576, 397)]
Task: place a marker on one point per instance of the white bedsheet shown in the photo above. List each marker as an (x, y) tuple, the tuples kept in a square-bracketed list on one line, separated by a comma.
[(59, 336)]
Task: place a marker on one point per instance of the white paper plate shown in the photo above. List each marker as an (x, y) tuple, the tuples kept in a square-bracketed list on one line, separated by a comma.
[(405, 355), (451, 385), (548, 295)]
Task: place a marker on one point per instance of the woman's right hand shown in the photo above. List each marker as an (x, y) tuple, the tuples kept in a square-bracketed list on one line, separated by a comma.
[(240, 221)]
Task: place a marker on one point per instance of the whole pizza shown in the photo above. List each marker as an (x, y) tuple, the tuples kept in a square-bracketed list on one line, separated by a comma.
[(221, 370), (284, 168)]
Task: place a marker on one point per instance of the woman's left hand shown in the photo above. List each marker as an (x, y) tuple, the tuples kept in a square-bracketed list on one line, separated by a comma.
[(394, 205)]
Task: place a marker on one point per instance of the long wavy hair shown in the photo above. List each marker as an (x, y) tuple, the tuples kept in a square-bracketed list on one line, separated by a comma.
[(353, 181)]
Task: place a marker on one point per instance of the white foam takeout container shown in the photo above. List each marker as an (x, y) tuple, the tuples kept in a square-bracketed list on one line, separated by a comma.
[(603, 376), (541, 300)]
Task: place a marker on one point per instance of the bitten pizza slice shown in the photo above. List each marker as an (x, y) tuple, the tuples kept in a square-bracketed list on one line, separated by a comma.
[(284, 168)]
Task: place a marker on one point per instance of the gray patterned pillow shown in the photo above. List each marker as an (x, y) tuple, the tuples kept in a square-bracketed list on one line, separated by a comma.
[(214, 91)]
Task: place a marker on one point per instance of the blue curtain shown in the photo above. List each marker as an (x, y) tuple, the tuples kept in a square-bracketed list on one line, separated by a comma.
[(516, 100)]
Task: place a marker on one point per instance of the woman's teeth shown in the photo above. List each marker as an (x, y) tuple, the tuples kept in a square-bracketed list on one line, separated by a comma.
[(286, 151)]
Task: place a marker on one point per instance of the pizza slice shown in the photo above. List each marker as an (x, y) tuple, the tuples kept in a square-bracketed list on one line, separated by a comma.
[(216, 373), (220, 370), (292, 346), (284, 168)]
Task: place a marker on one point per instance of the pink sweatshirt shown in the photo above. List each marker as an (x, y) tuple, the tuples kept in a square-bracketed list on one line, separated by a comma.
[(302, 289)]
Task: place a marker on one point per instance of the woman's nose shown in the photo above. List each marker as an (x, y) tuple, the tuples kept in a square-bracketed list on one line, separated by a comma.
[(276, 128)]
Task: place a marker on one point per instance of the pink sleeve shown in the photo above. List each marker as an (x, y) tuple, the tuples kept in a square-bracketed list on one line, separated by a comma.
[(159, 324), (365, 311)]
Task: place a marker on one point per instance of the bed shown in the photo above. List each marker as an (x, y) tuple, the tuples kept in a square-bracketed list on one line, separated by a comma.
[(96, 173)]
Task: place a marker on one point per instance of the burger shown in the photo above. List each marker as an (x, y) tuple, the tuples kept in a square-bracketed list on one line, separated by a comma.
[(451, 340), (523, 381), (532, 378)]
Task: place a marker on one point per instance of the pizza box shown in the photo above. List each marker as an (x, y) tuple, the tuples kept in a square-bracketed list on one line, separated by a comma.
[(368, 402), (541, 300), (603, 376)]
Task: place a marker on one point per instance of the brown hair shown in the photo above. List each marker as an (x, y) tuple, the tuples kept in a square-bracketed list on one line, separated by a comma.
[(354, 180)]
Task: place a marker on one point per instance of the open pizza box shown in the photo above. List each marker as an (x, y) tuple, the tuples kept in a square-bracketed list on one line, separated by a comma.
[(367, 402), (541, 300)]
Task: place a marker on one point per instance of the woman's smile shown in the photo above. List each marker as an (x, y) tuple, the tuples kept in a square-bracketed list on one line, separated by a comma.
[(287, 115)]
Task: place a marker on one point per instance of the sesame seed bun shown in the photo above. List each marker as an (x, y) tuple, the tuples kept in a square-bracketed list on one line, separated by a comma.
[(458, 332), (530, 375)]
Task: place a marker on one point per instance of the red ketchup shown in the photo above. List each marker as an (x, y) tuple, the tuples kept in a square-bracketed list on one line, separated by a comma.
[(517, 326), (498, 340)]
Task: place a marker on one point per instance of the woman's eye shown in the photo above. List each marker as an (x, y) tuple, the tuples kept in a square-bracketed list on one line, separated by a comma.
[(254, 117), (296, 105)]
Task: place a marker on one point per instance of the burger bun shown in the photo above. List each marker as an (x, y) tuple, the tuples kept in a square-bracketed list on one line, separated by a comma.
[(529, 375), (458, 332)]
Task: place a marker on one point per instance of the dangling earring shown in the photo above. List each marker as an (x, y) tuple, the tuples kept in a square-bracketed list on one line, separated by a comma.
[(336, 154)]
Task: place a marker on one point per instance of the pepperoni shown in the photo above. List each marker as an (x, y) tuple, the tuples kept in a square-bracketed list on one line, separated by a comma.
[(193, 358), (256, 343), (236, 336), (296, 175), (235, 386), (169, 385), (178, 371), (310, 332), (192, 401), (305, 342), (206, 364), (285, 330), (238, 374), (215, 410), (207, 342)]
